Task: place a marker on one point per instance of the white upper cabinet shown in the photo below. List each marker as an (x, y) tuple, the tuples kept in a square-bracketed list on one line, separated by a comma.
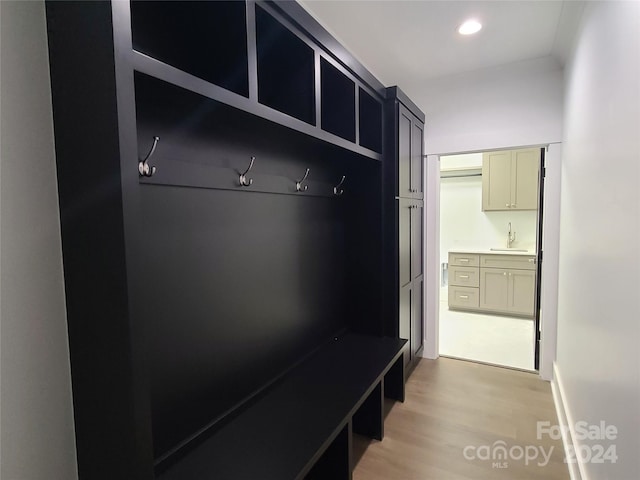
[(510, 179)]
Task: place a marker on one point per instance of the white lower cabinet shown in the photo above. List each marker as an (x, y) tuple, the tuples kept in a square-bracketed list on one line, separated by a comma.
[(508, 291), (499, 284)]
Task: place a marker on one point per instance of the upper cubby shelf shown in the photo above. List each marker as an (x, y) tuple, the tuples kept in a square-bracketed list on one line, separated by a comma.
[(338, 102), (285, 69), (250, 56), (370, 121), (213, 47)]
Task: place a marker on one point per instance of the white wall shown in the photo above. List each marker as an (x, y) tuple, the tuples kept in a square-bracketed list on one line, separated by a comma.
[(514, 105), (598, 359), (37, 436), (463, 224)]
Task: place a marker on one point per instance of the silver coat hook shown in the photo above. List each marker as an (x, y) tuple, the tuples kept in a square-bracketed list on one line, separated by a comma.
[(243, 176), (337, 190), (144, 169), (299, 187)]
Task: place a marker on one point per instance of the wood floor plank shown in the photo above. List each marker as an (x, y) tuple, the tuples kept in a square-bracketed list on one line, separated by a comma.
[(453, 405)]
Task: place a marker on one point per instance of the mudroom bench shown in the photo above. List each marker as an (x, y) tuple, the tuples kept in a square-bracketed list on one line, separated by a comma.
[(302, 427)]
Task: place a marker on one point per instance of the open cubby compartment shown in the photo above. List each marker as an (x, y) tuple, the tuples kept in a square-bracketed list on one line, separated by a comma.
[(207, 144), (286, 69), (336, 461), (337, 101), (206, 39), (370, 114)]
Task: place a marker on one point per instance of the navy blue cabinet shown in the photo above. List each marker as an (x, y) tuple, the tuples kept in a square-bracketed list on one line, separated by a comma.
[(227, 224), (404, 221)]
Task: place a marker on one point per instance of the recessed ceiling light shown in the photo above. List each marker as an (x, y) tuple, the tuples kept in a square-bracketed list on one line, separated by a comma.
[(469, 27)]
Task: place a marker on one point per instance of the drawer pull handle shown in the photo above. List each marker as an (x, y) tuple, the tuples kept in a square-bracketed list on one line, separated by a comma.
[(464, 297), (464, 260), (464, 276)]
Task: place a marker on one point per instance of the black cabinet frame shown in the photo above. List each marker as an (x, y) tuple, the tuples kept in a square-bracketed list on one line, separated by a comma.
[(105, 212)]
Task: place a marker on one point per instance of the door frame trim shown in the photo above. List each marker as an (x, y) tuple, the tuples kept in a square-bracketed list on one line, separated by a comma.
[(551, 248)]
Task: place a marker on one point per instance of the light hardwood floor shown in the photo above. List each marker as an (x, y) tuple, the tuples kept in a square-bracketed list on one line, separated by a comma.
[(453, 405)]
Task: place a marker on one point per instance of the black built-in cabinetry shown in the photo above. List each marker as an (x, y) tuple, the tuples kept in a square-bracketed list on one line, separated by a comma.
[(191, 294), (404, 221)]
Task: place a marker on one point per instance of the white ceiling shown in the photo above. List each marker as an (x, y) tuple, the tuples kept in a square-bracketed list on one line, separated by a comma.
[(407, 42)]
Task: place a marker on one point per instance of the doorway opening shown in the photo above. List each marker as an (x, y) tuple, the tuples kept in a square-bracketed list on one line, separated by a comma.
[(489, 259)]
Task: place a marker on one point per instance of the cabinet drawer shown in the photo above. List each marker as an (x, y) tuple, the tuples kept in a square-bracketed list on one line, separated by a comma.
[(464, 259), (464, 276), (521, 262), (463, 297)]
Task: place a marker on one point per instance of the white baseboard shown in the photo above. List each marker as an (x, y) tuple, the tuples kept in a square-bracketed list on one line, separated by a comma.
[(565, 418)]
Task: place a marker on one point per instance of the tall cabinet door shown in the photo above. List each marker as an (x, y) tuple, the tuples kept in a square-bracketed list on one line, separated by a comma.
[(417, 328), (405, 211), (403, 188), (417, 162), (404, 152), (417, 257), (405, 317)]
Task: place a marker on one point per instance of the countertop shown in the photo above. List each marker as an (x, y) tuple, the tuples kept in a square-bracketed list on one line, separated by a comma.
[(488, 251)]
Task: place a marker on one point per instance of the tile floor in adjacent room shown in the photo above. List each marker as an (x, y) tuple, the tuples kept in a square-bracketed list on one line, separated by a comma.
[(494, 339)]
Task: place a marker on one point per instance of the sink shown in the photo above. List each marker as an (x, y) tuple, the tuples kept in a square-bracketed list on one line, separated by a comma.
[(508, 250)]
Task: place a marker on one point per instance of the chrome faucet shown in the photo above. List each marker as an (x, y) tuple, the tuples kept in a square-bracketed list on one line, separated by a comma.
[(511, 237)]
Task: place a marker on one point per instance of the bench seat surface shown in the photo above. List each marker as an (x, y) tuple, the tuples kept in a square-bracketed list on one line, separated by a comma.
[(285, 431)]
